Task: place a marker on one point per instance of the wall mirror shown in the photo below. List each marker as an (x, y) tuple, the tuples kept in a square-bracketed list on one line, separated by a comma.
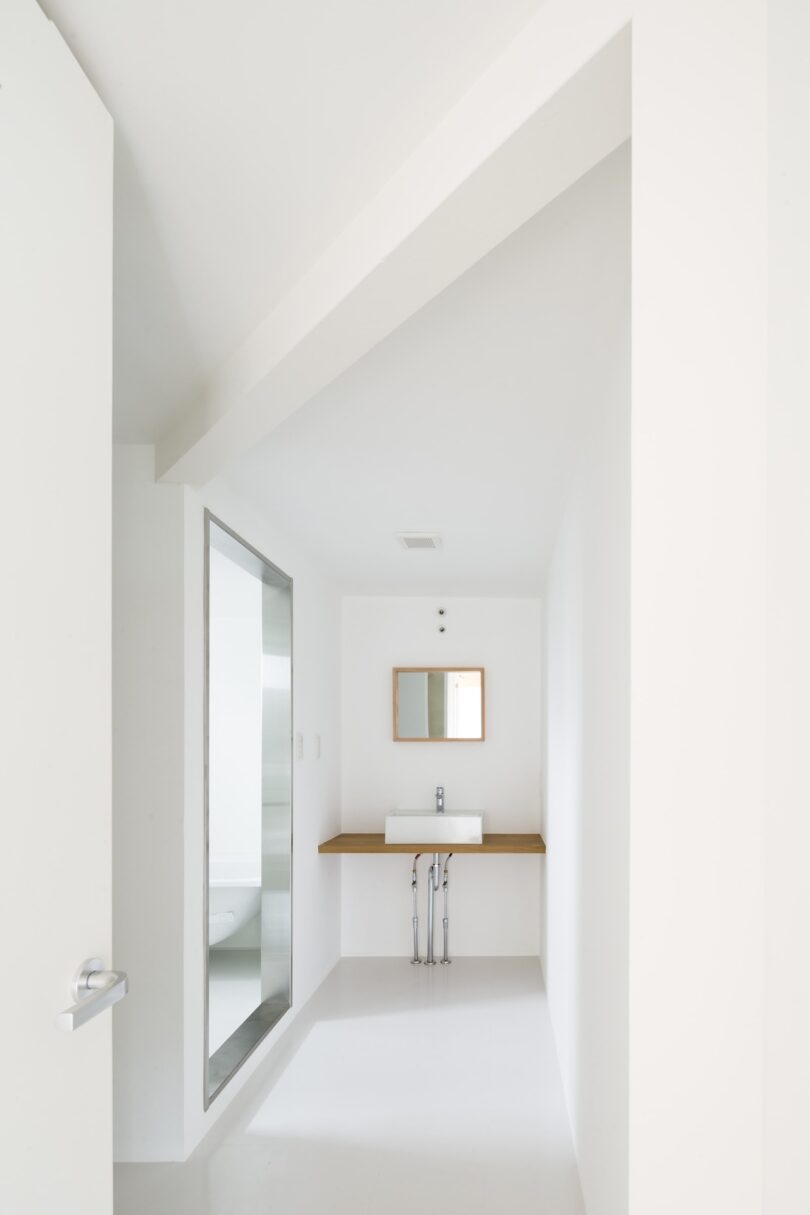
[(248, 800), (438, 704)]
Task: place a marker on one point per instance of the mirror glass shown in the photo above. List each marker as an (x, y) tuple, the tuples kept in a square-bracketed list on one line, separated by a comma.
[(248, 800), (433, 704)]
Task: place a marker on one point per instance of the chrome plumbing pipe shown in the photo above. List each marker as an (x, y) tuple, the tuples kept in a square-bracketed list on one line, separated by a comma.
[(433, 886), (445, 922), (415, 960)]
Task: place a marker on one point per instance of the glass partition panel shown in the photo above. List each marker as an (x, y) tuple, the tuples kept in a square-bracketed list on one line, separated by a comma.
[(248, 794)]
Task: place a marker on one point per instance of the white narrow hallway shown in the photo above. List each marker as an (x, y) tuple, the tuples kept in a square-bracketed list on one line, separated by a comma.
[(397, 1089)]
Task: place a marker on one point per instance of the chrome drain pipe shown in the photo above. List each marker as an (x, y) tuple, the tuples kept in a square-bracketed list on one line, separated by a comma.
[(445, 922), (433, 886), (415, 960)]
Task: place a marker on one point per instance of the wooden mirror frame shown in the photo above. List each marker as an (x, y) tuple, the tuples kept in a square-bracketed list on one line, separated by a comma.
[(435, 670)]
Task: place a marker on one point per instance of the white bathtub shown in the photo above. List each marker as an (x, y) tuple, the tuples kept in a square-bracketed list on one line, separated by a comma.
[(234, 896)]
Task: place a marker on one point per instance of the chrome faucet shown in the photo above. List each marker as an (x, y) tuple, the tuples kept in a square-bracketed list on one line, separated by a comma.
[(440, 799)]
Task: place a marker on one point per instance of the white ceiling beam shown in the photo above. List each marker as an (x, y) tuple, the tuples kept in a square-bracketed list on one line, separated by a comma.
[(556, 103)]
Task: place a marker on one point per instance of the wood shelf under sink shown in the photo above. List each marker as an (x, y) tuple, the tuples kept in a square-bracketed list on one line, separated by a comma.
[(364, 841)]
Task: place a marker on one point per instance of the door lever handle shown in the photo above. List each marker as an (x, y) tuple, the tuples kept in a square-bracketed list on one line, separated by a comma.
[(94, 989)]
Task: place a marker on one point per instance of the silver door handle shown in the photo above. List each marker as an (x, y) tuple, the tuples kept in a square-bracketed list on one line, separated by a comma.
[(94, 989)]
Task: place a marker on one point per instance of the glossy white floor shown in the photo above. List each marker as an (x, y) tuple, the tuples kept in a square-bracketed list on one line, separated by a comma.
[(399, 1089)]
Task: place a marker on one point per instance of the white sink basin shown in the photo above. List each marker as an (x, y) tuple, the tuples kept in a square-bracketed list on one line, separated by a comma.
[(428, 827)]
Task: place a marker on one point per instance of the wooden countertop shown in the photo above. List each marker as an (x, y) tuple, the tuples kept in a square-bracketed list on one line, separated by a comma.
[(367, 842)]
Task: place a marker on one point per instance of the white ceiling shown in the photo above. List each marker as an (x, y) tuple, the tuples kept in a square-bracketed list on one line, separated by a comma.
[(465, 421), (248, 134)]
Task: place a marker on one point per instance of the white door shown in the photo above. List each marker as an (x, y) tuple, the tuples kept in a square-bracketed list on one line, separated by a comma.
[(55, 574)]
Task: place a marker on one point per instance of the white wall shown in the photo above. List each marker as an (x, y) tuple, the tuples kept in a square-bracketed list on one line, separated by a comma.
[(698, 607), (586, 806), (158, 807), (494, 900), (148, 807), (787, 845)]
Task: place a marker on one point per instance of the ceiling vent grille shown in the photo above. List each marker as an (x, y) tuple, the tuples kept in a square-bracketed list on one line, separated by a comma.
[(419, 539)]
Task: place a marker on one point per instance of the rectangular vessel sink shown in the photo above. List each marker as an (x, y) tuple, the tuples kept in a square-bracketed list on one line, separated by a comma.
[(428, 827)]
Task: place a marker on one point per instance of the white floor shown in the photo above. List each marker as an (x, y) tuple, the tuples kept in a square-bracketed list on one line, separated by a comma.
[(401, 1089)]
